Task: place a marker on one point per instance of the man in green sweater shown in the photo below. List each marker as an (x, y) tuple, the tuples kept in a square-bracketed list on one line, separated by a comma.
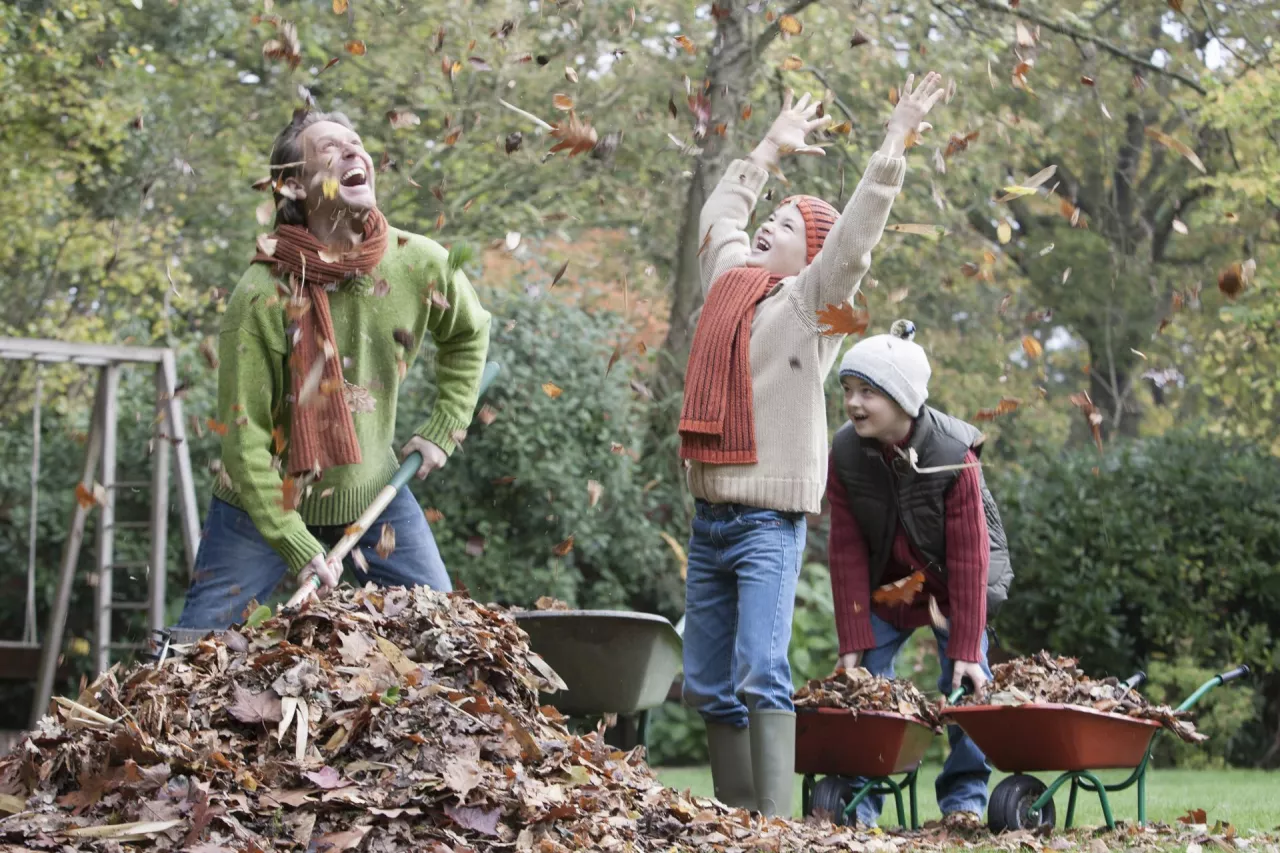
[(316, 340)]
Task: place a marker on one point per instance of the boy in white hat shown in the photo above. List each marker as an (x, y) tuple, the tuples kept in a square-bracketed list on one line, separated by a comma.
[(915, 540)]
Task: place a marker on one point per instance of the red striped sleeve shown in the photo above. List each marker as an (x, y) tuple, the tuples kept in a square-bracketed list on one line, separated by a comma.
[(850, 570), (968, 557)]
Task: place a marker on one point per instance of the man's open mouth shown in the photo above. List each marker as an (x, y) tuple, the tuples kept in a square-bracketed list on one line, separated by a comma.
[(762, 243), (356, 177)]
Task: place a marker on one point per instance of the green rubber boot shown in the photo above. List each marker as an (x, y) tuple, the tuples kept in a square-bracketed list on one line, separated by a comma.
[(773, 760), (730, 749)]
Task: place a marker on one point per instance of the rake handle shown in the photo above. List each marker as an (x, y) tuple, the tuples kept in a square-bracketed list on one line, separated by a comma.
[(361, 525)]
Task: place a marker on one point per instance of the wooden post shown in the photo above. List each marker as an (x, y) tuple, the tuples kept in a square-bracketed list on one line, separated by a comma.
[(159, 506), (188, 512), (52, 649), (106, 523)]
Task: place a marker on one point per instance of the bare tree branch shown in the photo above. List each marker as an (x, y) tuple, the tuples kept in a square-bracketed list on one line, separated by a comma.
[(1063, 29)]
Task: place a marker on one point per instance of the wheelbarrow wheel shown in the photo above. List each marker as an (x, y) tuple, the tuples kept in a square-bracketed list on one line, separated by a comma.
[(1011, 801), (832, 796)]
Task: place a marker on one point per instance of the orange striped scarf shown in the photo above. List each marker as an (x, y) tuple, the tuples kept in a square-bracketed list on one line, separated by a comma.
[(717, 421), (322, 433)]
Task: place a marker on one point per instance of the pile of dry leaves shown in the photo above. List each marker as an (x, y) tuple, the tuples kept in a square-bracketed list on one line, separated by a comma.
[(382, 720), (1043, 678), (858, 690)]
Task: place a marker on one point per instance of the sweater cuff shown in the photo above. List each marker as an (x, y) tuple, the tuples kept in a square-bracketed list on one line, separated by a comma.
[(887, 170), (965, 646), (746, 174), (298, 549), (440, 430), (858, 635)]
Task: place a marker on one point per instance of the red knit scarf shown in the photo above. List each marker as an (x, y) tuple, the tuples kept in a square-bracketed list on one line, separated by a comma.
[(717, 421), (322, 433)]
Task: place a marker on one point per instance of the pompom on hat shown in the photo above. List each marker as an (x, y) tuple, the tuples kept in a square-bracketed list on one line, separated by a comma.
[(894, 363)]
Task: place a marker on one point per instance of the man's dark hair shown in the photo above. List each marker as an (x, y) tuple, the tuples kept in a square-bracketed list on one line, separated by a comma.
[(286, 161)]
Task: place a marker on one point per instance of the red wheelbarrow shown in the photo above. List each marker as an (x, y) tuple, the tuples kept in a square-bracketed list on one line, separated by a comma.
[(843, 745), (1069, 739)]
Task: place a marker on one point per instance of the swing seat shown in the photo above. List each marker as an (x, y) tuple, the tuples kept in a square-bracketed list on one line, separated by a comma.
[(19, 661)]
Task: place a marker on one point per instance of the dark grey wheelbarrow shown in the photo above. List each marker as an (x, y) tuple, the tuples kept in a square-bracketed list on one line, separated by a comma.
[(613, 662)]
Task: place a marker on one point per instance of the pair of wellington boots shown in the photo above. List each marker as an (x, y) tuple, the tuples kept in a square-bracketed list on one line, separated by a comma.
[(754, 767)]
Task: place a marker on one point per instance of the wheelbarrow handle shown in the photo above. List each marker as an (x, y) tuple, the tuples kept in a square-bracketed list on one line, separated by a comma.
[(361, 525), (1231, 675), (1136, 680)]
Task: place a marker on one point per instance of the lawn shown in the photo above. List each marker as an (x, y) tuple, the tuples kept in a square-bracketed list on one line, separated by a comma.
[(1247, 799)]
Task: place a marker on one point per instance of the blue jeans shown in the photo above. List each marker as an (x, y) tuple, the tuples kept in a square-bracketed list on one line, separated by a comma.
[(234, 564), (741, 589), (962, 785)]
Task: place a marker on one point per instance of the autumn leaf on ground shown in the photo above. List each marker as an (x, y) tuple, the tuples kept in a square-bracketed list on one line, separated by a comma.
[(327, 778), (1177, 145), (576, 136), (1032, 347), (843, 319), (552, 390), (354, 647), (254, 708), (1194, 816), (481, 820), (901, 591), (1084, 403), (564, 547), (462, 777)]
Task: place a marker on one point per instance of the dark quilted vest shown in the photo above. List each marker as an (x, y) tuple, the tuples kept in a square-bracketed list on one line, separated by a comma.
[(879, 496)]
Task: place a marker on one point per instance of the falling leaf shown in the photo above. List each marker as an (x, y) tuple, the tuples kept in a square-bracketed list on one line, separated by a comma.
[(401, 119), (386, 541), (970, 270), (265, 211), (1024, 36), (858, 39), (253, 708), (678, 550), (899, 592), (564, 547), (844, 128), (1082, 401), (959, 142), (1006, 406), (1029, 186), (475, 546), (843, 319), (1233, 280), (1004, 231), (562, 102), (339, 6), (479, 63), (1176, 5), (594, 491), (574, 135), (746, 112), (433, 515), (1086, 81), (1179, 226), (551, 390), (790, 25), (267, 244), (641, 389), (792, 63), (935, 231), (511, 241), (687, 43), (1032, 347), (87, 497), (1177, 145), (898, 295), (893, 95), (355, 47)]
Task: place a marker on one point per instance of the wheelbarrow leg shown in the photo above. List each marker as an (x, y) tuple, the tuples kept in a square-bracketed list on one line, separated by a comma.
[(897, 799), (1142, 796), (1071, 803), (806, 794), (1102, 797), (915, 810)]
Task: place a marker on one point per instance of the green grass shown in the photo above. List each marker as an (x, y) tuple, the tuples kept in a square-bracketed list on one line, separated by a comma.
[(1247, 799)]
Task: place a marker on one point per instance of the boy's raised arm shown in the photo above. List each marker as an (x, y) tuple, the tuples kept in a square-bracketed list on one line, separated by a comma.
[(723, 221), (836, 273)]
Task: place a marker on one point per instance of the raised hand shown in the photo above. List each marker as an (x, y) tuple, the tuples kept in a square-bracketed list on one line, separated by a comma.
[(787, 134), (914, 104)]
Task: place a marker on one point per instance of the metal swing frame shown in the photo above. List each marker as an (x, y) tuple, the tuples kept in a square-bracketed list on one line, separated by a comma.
[(100, 467)]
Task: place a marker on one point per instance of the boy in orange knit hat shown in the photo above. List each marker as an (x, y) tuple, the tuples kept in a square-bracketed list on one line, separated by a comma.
[(754, 432)]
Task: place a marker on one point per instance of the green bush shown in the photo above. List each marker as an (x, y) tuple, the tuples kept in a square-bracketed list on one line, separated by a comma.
[(519, 487), (1170, 551)]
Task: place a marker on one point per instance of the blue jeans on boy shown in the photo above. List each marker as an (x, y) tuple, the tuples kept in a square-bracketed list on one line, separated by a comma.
[(234, 564), (962, 785), (739, 594)]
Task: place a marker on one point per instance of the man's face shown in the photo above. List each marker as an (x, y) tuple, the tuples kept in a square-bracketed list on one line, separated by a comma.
[(779, 243), (335, 154), (874, 415)]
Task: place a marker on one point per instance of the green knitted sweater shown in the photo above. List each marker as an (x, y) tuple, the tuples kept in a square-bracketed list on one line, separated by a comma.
[(254, 389)]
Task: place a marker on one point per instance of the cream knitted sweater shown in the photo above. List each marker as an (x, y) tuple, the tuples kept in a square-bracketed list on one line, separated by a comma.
[(790, 357)]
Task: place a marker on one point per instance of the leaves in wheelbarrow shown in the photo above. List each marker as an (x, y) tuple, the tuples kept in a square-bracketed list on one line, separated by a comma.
[(417, 715), (1043, 678), (859, 690)]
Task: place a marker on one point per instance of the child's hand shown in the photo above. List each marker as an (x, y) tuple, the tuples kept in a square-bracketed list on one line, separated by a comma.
[(913, 106), (788, 132)]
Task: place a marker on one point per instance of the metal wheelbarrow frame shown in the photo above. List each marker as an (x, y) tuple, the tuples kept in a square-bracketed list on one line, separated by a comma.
[(875, 745), (612, 661), (1067, 738)]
